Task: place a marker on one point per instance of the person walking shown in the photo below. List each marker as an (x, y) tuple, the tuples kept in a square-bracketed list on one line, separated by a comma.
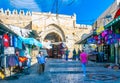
[(74, 54), (67, 53), (101, 56), (41, 62), (84, 60), (79, 54), (28, 59)]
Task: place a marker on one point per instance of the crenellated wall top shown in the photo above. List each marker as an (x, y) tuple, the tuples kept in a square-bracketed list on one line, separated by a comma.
[(15, 12)]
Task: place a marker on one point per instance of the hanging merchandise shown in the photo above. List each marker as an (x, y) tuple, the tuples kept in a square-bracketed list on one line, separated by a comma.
[(99, 37), (96, 38), (1, 44), (91, 41), (100, 29), (19, 44), (110, 31), (106, 37), (99, 42), (15, 41), (108, 42), (6, 40), (9, 50), (112, 41), (11, 40), (22, 59), (117, 36), (104, 33)]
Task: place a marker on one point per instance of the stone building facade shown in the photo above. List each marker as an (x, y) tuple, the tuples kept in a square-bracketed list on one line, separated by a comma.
[(107, 15), (56, 28)]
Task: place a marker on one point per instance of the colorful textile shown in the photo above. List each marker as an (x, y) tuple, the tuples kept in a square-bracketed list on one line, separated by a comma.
[(19, 44), (100, 29), (22, 59), (6, 40), (11, 40), (15, 41)]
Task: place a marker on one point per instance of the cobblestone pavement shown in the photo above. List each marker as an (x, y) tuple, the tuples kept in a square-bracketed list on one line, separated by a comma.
[(61, 71)]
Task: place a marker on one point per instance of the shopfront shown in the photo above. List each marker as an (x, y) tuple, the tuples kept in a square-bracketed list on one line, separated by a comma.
[(13, 49), (115, 47)]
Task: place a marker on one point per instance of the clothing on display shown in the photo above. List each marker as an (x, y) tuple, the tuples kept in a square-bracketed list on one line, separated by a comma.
[(6, 40)]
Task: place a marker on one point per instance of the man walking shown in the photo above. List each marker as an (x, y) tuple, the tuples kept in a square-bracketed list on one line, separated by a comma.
[(41, 62), (84, 60)]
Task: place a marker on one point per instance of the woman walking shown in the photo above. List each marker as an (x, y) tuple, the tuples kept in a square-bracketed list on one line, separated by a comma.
[(84, 60)]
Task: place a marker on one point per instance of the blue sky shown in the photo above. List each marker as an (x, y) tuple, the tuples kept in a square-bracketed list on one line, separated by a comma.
[(87, 11)]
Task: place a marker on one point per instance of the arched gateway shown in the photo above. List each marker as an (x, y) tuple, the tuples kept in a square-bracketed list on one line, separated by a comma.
[(56, 36), (62, 28), (53, 33)]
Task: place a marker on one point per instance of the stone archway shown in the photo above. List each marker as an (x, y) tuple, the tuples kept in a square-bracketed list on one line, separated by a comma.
[(53, 30), (53, 37)]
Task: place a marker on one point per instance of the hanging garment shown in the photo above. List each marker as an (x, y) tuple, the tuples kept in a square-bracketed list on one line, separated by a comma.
[(22, 59), (19, 44), (12, 61), (1, 44), (11, 40), (6, 40), (15, 41)]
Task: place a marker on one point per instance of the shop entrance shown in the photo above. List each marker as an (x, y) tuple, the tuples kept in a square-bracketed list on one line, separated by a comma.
[(106, 52), (55, 40)]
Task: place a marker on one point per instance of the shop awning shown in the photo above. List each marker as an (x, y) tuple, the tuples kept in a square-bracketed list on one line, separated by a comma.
[(84, 40), (31, 41), (112, 23), (4, 28), (33, 33)]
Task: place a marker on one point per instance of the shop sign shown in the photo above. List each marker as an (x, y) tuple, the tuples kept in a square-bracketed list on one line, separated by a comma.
[(9, 50)]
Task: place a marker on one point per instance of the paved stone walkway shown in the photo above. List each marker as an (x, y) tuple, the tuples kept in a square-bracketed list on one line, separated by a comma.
[(61, 71)]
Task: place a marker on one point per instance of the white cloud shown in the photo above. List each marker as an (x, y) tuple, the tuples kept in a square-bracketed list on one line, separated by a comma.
[(25, 4)]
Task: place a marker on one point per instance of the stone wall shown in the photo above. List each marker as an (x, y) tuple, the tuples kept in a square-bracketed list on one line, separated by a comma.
[(16, 18)]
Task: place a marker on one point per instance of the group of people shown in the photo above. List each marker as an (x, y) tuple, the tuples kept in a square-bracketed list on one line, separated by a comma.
[(42, 60), (75, 54)]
